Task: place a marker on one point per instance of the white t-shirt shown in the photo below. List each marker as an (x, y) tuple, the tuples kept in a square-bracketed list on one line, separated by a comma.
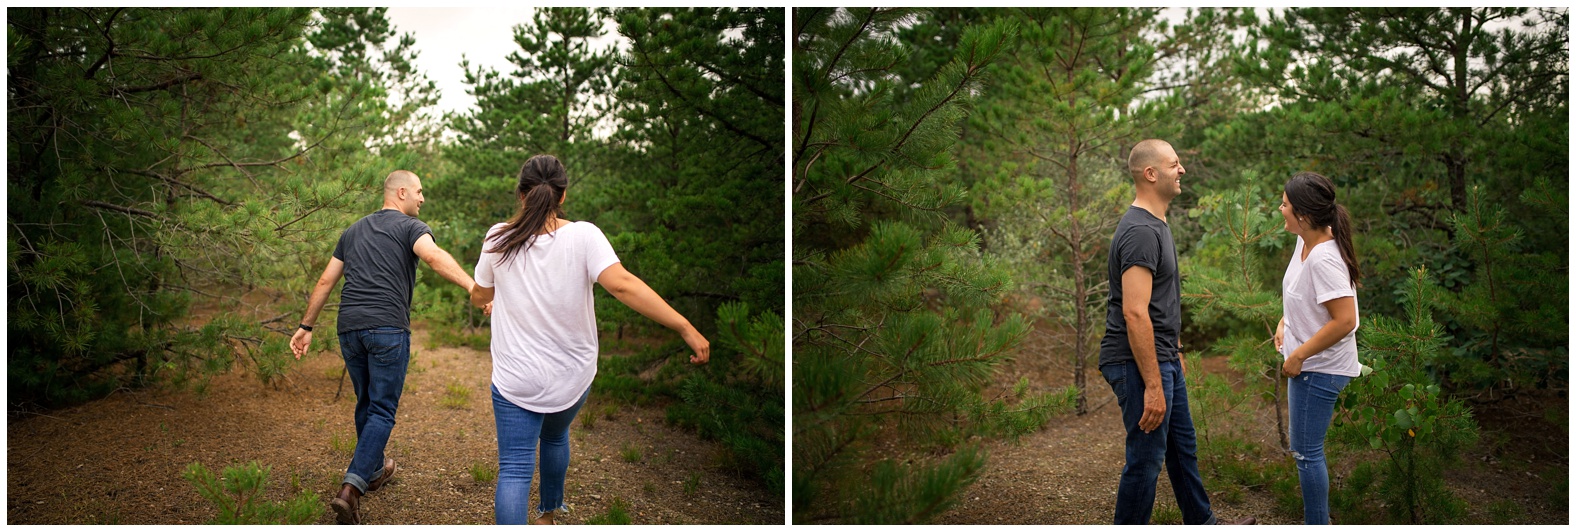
[(1304, 290), (544, 341)]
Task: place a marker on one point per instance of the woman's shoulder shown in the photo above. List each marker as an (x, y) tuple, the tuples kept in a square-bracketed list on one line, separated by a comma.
[(1326, 258), (581, 227), (496, 228)]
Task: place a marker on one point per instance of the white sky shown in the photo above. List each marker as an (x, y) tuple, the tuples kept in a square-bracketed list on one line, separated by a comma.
[(484, 35)]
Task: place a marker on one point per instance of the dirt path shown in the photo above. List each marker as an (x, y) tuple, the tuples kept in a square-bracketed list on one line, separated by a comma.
[(1067, 473), (120, 459)]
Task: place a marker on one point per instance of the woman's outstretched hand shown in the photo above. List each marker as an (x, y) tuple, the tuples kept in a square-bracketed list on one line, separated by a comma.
[(699, 344)]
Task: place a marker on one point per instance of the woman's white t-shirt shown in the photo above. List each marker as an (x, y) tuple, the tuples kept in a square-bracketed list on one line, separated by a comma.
[(544, 341), (1308, 284)]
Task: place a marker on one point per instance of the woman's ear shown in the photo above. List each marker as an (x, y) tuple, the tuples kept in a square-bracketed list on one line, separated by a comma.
[(563, 197)]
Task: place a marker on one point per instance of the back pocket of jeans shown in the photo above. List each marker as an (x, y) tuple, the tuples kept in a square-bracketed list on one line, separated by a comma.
[(384, 346)]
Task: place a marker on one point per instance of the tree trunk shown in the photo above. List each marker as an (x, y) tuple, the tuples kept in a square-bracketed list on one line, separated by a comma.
[(1460, 110), (1280, 417), (1080, 286)]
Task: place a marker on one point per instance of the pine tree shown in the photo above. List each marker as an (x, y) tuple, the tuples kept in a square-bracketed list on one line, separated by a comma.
[(1364, 61), (1230, 287), (1408, 110), (695, 202), (891, 321), (148, 148), (1400, 410), (553, 101), (1059, 121)]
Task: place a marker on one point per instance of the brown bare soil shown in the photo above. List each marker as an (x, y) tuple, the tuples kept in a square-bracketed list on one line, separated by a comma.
[(121, 459), (1067, 473)]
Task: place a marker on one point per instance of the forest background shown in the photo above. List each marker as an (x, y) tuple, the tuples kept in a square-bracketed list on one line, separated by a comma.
[(958, 173), (164, 158)]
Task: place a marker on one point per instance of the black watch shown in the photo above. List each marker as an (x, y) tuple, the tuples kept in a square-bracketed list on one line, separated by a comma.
[(305, 327)]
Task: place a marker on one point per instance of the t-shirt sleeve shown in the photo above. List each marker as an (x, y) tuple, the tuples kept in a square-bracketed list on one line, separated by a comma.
[(414, 230), (599, 254), (339, 248), (1331, 279), (484, 265), (1140, 246)]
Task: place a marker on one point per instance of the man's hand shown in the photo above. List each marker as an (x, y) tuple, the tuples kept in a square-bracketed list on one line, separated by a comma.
[(300, 342), (1154, 409), (699, 344)]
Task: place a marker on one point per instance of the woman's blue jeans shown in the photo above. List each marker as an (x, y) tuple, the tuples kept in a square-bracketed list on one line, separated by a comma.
[(1310, 399), (519, 431)]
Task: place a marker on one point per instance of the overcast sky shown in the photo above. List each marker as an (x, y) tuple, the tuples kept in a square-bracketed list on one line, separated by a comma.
[(484, 35)]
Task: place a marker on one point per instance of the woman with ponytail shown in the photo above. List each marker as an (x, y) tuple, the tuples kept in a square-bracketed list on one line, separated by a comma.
[(1317, 331), (540, 267)]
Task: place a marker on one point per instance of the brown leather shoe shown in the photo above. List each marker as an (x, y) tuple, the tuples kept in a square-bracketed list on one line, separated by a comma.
[(388, 473), (347, 505), (1243, 521), (545, 519)]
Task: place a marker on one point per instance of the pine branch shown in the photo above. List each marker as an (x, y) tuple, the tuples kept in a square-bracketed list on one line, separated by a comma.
[(117, 208), (92, 70)]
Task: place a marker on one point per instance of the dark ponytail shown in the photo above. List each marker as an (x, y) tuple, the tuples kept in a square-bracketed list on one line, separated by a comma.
[(540, 187), (1313, 195)]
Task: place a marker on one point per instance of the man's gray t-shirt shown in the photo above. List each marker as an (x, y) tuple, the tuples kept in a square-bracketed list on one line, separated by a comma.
[(1143, 240), (380, 270)]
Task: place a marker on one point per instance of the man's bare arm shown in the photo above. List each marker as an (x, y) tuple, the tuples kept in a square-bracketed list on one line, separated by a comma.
[(442, 262), (302, 340), (1137, 286)]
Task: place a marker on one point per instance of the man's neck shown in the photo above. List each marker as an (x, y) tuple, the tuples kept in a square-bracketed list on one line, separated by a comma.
[(387, 207), (1153, 204)]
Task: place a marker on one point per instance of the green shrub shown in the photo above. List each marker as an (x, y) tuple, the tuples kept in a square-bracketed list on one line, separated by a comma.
[(630, 453), (484, 472), (1399, 409), (455, 396), (238, 497), (617, 514)]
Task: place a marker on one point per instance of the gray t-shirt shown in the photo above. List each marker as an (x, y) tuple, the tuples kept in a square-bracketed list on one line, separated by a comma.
[(1143, 240), (380, 270)]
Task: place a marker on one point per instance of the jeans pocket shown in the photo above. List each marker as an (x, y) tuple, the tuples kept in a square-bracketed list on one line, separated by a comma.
[(1326, 387), (1117, 378), (385, 347)]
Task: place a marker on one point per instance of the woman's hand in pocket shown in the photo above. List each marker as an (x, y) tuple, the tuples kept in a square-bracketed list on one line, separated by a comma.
[(1292, 367)]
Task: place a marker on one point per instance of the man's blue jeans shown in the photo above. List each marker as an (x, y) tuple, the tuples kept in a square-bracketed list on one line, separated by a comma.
[(376, 360), (1310, 401), (519, 431), (1173, 443)]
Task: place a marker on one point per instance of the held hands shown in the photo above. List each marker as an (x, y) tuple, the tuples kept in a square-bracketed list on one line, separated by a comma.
[(300, 342), (699, 344)]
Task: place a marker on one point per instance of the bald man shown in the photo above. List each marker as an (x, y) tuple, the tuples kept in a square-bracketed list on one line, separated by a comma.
[(1140, 355), (377, 256)]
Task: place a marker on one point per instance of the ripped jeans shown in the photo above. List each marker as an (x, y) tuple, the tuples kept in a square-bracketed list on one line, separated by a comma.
[(1310, 399), (521, 435)]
